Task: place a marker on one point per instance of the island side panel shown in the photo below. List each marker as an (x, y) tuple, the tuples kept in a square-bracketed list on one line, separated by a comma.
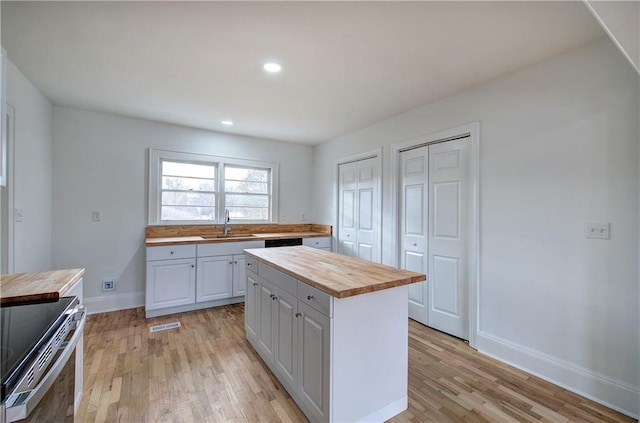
[(369, 359)]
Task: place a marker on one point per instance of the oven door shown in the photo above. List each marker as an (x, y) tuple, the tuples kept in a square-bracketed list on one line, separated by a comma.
[(52, 399)]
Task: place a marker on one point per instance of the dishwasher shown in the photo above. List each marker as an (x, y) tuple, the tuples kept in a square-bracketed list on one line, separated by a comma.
[(285, 242)]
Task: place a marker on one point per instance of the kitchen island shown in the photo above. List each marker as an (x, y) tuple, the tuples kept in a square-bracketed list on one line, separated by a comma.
[(333, 329)]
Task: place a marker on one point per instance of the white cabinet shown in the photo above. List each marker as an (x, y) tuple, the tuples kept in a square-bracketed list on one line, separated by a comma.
[(171, 276), (239, 276), (265, 320), (290, 335), (341, 359), (250, 302), (221, 269), (322, 243), (215, 278), (189, 277), (313, 353)]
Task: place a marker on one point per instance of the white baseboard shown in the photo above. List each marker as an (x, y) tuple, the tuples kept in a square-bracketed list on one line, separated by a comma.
[(114, 302), (605, 390)]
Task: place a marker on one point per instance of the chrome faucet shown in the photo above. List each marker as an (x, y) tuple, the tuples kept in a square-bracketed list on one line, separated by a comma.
[(226, 229)]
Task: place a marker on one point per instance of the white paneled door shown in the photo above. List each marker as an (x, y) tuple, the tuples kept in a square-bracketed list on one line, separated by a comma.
[(414, 207), (358, 219), (435, 206)]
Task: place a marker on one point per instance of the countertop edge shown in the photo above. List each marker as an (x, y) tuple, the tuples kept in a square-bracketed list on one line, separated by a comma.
[(344, 293)]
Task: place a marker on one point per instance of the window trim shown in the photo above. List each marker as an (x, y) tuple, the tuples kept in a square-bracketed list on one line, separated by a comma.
[(155, 181)]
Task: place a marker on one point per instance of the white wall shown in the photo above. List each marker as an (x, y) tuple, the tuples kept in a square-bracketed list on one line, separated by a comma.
[(559, 145), (32, 172), (100, 162)]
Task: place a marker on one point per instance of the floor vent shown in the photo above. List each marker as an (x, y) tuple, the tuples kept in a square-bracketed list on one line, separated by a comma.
[(166, 326)]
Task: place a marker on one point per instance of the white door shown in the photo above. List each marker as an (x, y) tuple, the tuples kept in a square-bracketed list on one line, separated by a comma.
[(348, 186), (367, 207), (434, 207), (414, 206), (358, 205), (448, 276)]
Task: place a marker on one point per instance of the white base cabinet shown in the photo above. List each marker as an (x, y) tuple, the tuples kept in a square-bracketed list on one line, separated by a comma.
[(171, 276), (322, 243), (342, 360), (189, 277)]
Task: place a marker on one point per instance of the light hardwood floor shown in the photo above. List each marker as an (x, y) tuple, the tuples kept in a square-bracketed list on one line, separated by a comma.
[(205, 371)]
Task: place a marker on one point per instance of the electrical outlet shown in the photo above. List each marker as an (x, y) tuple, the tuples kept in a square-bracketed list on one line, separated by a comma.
[(303, 217), (283, 217), (108, 285)]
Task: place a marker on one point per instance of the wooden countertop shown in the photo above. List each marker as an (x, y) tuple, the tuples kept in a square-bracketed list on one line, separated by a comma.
[(337, 275), (180, 240), (37, 286)]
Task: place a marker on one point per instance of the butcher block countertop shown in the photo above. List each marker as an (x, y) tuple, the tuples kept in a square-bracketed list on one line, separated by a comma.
[(37, 286), (337, 275), (201, 234), (180, 240)]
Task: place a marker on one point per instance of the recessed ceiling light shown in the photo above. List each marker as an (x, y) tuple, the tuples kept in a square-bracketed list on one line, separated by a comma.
[(227, 122), (272, 67)]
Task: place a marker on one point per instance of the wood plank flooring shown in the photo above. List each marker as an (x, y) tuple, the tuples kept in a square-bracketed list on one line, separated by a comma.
[(205, 371)]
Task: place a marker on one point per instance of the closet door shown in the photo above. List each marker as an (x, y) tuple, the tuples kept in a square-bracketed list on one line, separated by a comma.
[(359, 214), (347, 218), (414, 206), (448, 273)]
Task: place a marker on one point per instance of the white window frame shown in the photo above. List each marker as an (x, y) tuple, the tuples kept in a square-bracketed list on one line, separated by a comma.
[(155, 183)]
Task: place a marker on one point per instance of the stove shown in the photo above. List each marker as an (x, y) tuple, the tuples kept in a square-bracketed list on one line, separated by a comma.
[(37, 348)]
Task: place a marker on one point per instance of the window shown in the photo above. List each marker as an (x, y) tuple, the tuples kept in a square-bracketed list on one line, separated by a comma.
[(247, 192), (188, 191), (187, 188)]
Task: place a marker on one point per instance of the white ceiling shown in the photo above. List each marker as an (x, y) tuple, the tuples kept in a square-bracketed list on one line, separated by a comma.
[(345, 64)]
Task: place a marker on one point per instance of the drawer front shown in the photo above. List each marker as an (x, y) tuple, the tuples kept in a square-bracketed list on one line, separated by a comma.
[(251, 264), (227, 248), (322, 242), (317, 299), (277, 278), (170, 252)]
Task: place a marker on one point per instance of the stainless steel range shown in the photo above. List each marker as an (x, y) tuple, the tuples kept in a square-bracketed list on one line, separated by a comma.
[(37, 353)]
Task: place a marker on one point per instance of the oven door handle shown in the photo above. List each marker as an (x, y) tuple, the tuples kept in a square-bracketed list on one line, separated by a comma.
[(22, 410)]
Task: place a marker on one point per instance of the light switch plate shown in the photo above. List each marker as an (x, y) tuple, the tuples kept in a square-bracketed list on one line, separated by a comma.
[(96, 216), (597, 230)]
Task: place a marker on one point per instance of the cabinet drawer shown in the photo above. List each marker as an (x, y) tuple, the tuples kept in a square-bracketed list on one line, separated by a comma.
[(317, 299), (170, 252), (227, 248), (251, 264), (277, 278), (322, 242)]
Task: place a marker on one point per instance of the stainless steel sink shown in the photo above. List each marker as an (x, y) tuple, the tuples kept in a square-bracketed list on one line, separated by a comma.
[(228, 236)]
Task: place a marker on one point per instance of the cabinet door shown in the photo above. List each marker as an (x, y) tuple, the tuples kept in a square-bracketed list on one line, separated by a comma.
[(251, 306), (313, 366), (239, 276), (286, 338), (214, 278), (265, 321), (170, 283)]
